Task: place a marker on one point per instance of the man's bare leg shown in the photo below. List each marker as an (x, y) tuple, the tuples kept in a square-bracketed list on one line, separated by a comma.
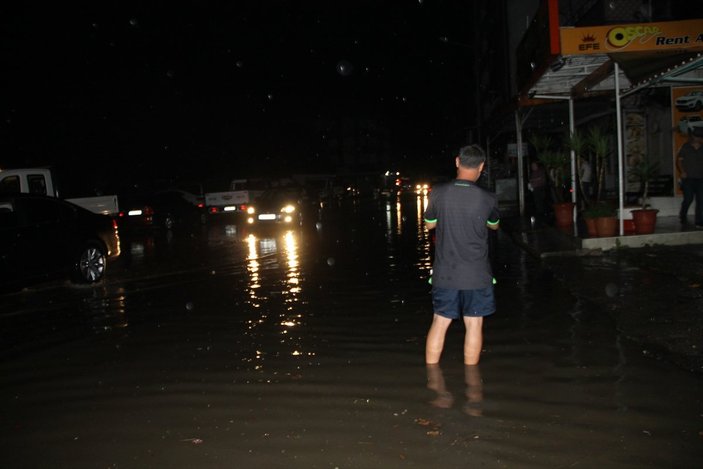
[(473, 341), (435, 338)]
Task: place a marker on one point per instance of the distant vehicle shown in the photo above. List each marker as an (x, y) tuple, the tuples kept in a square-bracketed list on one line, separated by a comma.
[(692, 101), (279, 206), (42, 237), (41, 181), (164, 209), (240, 194)]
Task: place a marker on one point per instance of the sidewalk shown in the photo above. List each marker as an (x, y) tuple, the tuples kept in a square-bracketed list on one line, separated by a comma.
[(653, 288)]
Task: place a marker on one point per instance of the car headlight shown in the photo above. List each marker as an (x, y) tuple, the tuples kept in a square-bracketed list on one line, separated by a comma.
[(251, 210), (288, 209)]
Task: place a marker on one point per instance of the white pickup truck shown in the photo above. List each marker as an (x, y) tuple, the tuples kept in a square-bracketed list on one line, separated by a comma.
[(42, 181), (241, 193)]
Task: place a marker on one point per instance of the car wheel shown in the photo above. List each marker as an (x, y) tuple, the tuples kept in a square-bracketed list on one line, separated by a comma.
[(91, 264), (169, 222)]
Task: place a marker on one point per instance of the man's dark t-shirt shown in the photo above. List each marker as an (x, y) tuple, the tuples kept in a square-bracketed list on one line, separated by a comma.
[(461, 210)]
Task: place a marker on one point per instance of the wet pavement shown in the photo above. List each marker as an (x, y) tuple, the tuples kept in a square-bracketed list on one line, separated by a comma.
[(305, 348)]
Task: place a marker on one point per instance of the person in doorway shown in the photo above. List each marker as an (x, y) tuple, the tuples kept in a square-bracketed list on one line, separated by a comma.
[(462, 281), (538, 186), (689, 163), (586, 178)]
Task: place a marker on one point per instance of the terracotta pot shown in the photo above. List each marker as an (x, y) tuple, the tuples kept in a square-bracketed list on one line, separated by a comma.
[(606, 226), (591, 227), (564, 214), (628, 226), (645, 220)]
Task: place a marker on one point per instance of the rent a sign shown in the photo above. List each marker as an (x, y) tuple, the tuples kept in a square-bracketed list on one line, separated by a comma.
[(639, 37)]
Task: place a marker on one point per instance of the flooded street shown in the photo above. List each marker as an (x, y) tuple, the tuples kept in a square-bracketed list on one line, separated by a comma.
[(305, 348)]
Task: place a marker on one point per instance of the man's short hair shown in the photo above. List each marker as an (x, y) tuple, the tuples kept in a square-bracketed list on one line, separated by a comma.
[(471, 156)]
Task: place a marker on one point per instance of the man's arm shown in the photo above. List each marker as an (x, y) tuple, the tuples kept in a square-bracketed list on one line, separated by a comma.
[(493, 225), (430, 224)]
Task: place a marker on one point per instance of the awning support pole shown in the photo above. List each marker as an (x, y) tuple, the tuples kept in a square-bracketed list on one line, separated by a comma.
[(618, 115), (572, 129), (520, 172)]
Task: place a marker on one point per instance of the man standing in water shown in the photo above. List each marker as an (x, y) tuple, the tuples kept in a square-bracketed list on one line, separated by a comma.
[(462, 282)]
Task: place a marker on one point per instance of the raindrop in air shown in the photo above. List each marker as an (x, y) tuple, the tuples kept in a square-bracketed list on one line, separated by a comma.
[(133, 22), (318, 226), (239, 64), (344, 68), (269, 96), (330, 261), (189, 306)]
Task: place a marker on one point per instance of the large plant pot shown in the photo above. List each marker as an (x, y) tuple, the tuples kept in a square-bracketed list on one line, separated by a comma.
[(591, 227), (606, 226), (564, 214), (645, 220)]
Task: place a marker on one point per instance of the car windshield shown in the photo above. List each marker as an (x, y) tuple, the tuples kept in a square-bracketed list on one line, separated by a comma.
[(279, 196)]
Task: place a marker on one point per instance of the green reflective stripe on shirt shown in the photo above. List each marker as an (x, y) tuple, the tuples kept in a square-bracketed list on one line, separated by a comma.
[(493, 222), (431, 221), (462, 184)]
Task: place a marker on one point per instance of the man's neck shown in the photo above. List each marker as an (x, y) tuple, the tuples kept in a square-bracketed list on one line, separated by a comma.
[(468, 174)]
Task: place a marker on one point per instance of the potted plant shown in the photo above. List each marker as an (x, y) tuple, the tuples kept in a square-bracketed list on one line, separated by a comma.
[(645, 218), (555, 163), (598, 143), (601, 219)]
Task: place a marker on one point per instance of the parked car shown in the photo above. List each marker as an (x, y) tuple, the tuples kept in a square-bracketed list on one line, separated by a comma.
[(279, 206), (43, 237), (165, 209), (692, 101)]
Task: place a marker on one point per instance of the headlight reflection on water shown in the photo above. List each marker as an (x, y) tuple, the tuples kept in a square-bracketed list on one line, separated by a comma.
[(279, 257)]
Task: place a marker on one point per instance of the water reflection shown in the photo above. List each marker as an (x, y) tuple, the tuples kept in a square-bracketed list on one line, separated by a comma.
[(423, 236), (473, 390), (281, 275), (105, 310)]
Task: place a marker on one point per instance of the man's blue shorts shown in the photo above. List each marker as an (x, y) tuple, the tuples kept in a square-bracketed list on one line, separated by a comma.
[(453, 304)]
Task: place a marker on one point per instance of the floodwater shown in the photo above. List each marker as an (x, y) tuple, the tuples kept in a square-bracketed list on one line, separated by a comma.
[(305, 348)]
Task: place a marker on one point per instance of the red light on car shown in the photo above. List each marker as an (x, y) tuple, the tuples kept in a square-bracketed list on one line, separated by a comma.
[(201, 205), (213, 209), (148, 211), (243, 207), (121, 214)]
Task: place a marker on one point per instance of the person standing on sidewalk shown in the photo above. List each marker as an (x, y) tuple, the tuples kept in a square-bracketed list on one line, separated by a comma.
[(690, 166), (462, 281)]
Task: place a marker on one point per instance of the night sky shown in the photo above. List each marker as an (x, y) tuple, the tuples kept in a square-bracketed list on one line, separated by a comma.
[(246, 88)]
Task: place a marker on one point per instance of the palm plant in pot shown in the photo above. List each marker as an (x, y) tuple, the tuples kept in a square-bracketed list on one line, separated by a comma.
[(555, 163), (601, 219), (645, 218), (598, 143)]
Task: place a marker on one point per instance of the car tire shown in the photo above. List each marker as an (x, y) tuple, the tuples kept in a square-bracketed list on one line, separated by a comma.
[(91, 264)]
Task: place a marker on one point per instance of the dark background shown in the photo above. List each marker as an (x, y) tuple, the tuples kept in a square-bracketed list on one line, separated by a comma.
[(112, 89)]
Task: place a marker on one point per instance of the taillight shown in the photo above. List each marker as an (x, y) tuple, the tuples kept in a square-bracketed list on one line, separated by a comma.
[(201, 205), (121, 214), (213, 209), (243, 207), (114, 224), (148, 211)]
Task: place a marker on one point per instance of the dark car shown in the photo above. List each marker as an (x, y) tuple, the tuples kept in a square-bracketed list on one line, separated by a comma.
[(166, 209), (279, 206), (43, 237)]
